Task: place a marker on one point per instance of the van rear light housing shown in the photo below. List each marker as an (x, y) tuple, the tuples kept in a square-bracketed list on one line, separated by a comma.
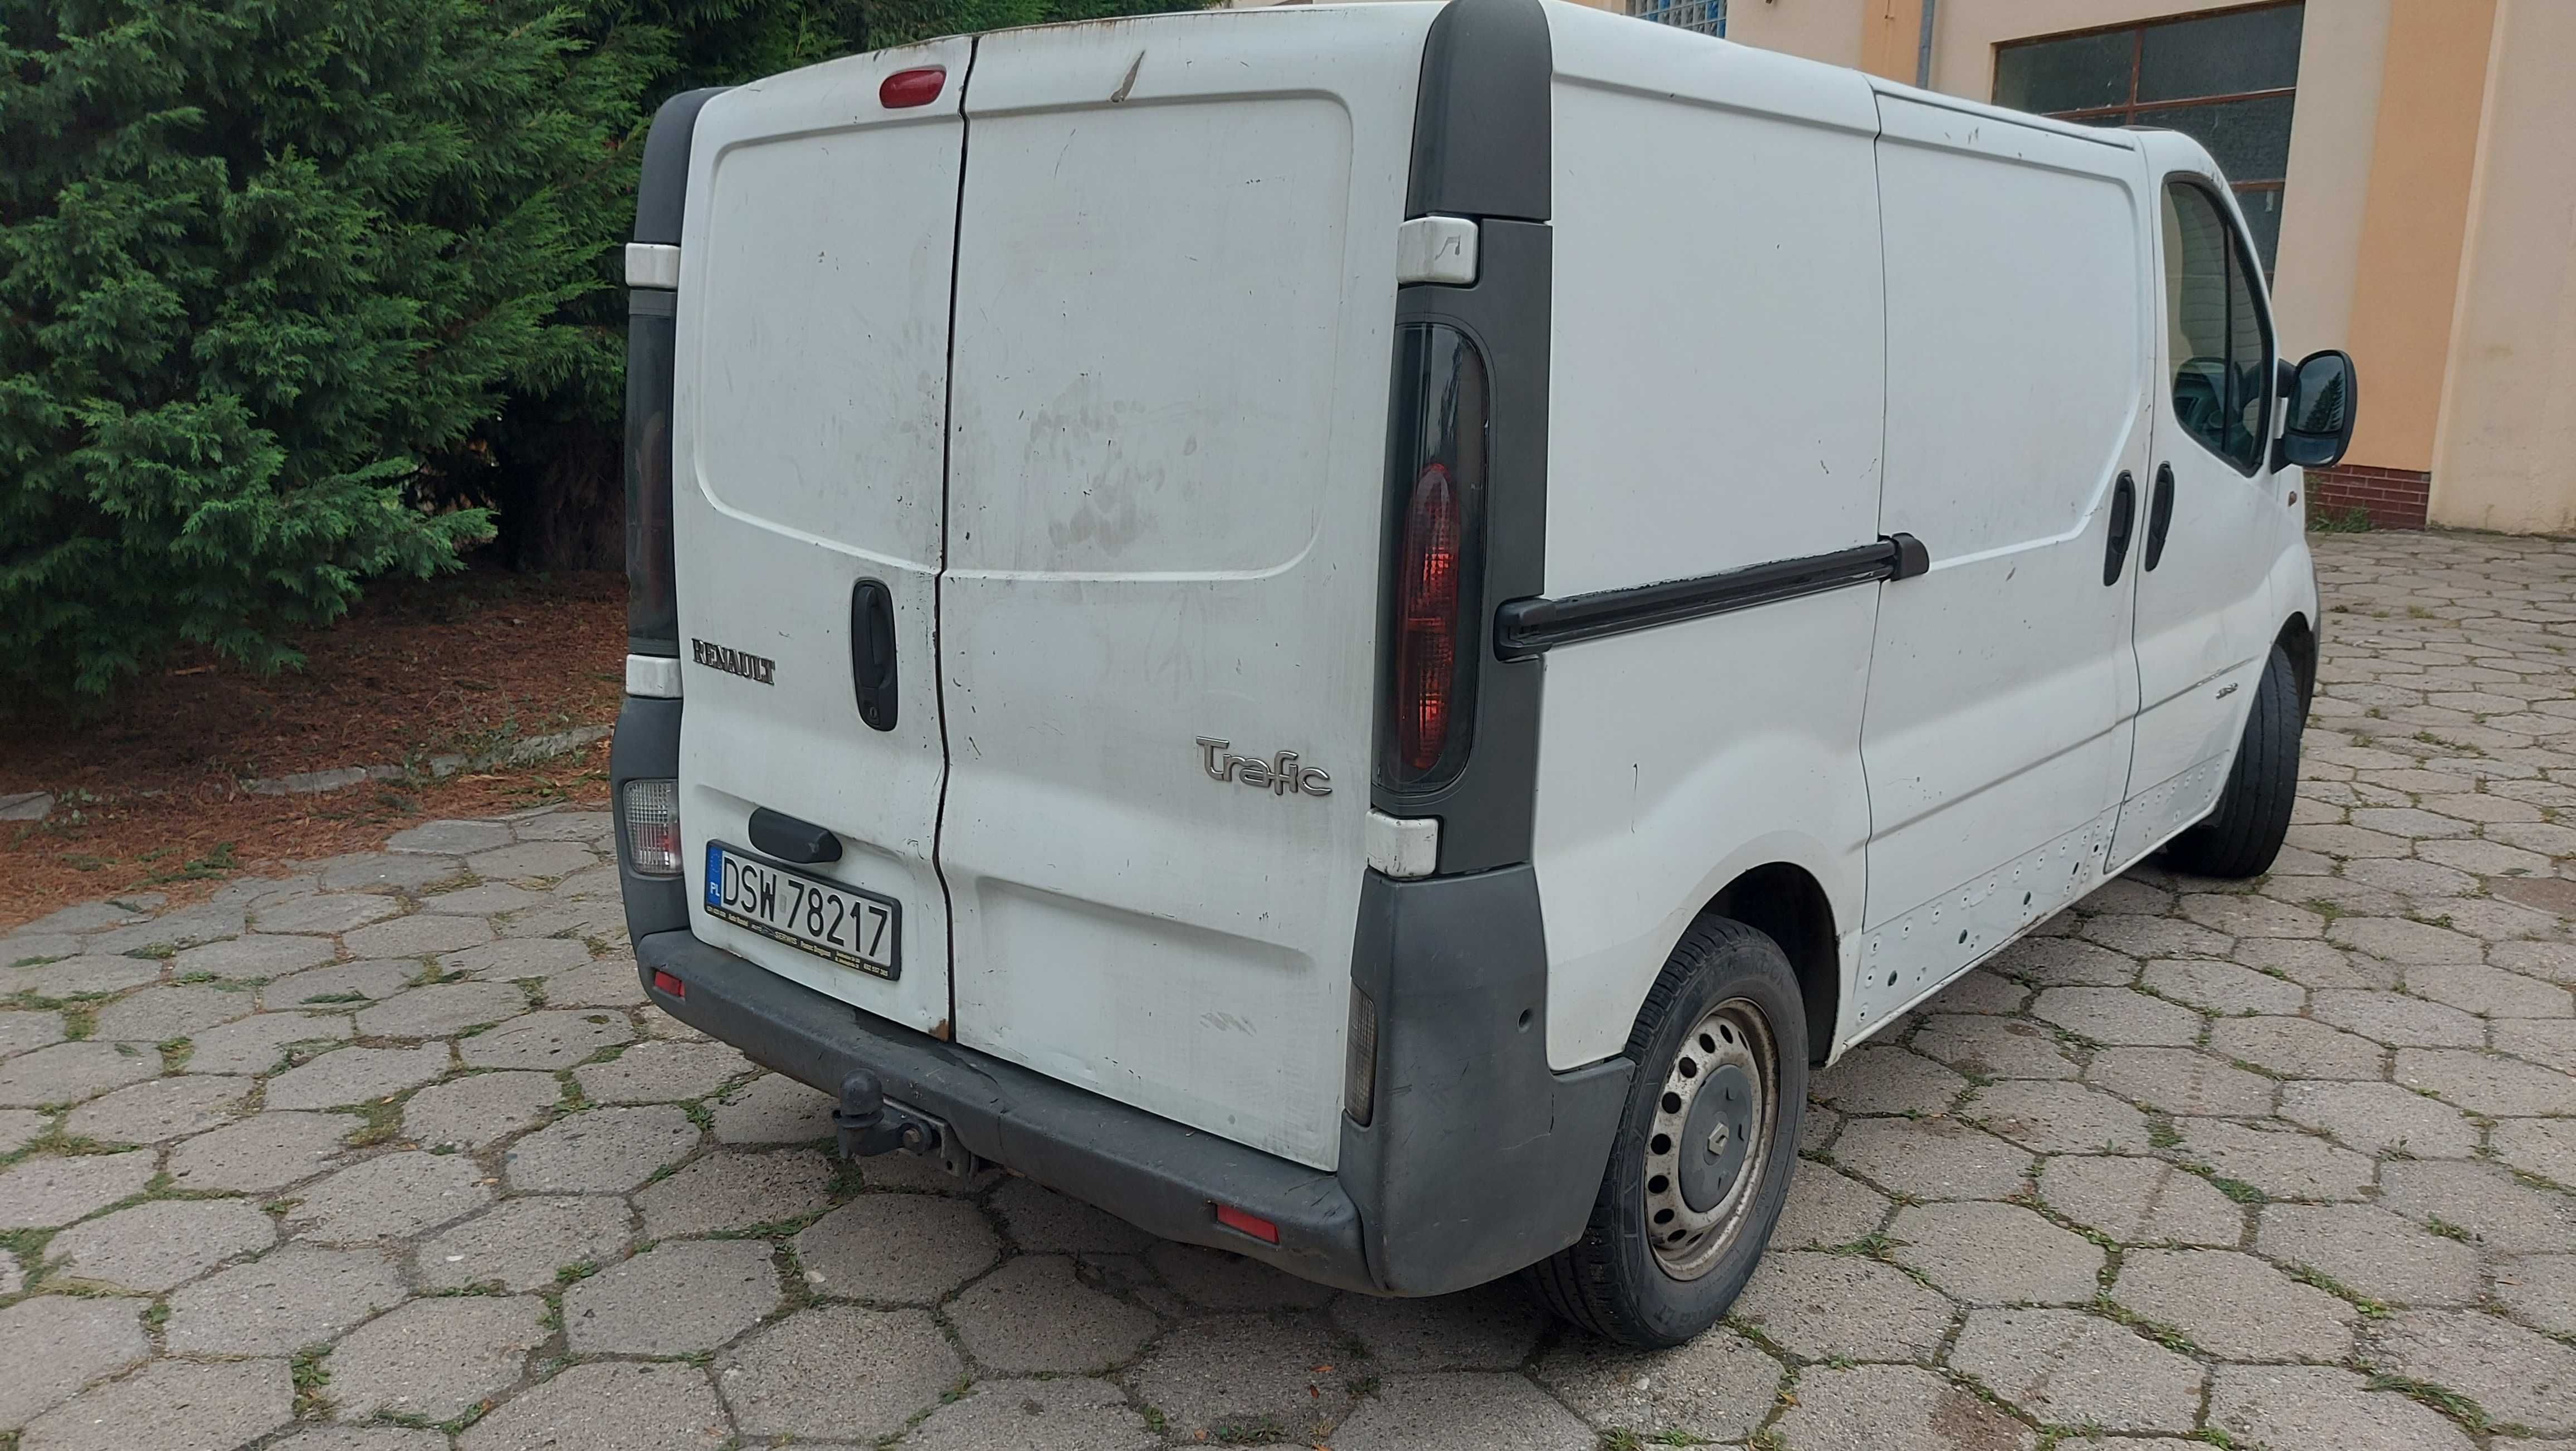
[(1439, 425), (653, 827)]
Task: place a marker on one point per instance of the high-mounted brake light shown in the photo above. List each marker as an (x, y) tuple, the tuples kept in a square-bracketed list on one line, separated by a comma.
[(917, 87), (1435, 582)]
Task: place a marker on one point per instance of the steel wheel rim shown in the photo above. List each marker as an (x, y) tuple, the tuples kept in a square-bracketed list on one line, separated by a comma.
[(1730, 1049)]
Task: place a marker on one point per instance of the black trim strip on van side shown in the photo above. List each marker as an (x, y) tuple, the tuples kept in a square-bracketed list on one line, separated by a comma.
[(1529, 627)]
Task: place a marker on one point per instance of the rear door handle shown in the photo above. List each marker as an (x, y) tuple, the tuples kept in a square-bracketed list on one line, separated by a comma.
[(2159, 516), (872, 663), (2124, 518)]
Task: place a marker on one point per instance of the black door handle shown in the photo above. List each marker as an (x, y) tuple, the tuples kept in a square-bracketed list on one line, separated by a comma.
[(872, 652), (2124, 517), (2159, 515)]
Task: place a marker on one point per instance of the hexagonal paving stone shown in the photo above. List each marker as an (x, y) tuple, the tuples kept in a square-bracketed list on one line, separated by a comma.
[(678, 1297), (630, 1407), (223, 1406), (391, 1196), (2540, 1290), (2058, 1118), (531, 859), (158, 1110), (2397, 1020), (161, 1243), (481, 900), (22, 1031), (56, 1344), (2490, 992), (2244, 916), (20, 1127), (1041, 1221), (264, 1151), (1996, 1254), (2067, 1368), (2517, 1376), (423, 934), (2296, 1047), (2296, 1405), (545, 1040), (45, 1191), (773, 1109), (435, 1358), (450, 838), (258, 1044), (2394, 939), (545, 957), (606, 1150), (2282, 1162), (838, 1371), (2549, 1042), (2223, 987), (1718, 1387), (1066, 1415), (607, 983), (2381, 1118), (1037, 1314), (158, 1014), (1215, 1279), (2139, 936), (1825, 1209), (729, 1191), (356, 1075), (2479, 1082), (520, 1244), (662, 1073), (293, 1297), (1462, 1411), (383, 871), (71, 1072), (1823, 1305), (1887, 1080), (258, 955), (904, 1249), (1991, 1047), (2370, 1251), (1939, 1158), (431, 1012), (2118, 1016), (479, 1109), (2542, 1146), (340, 986), (89, 973), (1238, 1378), (2497, 1211), (1871, 1406), (1492, 1327), (2180, 1081), (328, 914), (2062, 962), (2235, 1306)]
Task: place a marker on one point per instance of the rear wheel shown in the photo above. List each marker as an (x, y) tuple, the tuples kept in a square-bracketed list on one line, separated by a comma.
[(1705, 1149), (2242, 836)]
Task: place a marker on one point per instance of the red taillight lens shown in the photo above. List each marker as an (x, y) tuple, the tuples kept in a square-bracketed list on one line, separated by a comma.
[(912, 88), (1427, 620)]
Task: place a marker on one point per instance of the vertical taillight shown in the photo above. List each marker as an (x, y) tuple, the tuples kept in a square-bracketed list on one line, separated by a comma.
[(653, 828), (1436, 567), (652, 597)]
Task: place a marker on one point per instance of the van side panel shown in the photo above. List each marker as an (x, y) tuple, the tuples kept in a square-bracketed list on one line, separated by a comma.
[(2002, 686), (1176, 283), (1716, 403)]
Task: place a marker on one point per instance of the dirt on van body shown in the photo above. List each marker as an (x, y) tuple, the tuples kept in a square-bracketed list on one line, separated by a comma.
[(150, 792)]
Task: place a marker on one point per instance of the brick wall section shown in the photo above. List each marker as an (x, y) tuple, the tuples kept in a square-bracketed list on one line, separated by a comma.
[(2393, 498)]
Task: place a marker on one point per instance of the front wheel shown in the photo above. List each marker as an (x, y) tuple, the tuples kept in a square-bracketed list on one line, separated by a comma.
[(1705, 1149), (2241, 837)]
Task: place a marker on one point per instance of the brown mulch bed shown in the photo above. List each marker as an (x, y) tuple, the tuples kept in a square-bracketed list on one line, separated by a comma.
[(149, 790)]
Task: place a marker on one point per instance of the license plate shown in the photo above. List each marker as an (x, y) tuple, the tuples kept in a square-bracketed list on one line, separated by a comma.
[(843, 924)]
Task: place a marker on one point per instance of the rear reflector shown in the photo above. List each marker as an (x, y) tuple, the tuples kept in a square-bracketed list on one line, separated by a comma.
[(663, 982), (912, 88), (1251, 1224), (653, 828)]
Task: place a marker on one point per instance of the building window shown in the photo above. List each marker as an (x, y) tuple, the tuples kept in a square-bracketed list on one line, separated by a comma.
[(1708, 17), (2226, 80)]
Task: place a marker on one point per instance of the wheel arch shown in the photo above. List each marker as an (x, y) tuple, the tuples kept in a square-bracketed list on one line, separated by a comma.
[(2298, 640), (1786, 903)]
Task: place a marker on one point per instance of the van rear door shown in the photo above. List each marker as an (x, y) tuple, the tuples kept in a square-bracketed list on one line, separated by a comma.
[(811, 381), (1175, 303)]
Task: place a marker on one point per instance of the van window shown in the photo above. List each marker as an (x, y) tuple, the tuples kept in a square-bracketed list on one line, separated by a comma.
[(2220, 341)]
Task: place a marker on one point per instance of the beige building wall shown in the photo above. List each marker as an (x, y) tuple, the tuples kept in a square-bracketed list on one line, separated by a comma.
[(2504, 454)]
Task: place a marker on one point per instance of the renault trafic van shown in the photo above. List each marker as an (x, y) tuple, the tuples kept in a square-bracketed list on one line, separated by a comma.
[(1359, 633)]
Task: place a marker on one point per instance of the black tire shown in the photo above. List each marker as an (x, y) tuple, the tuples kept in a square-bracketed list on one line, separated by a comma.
[(2242, 836), (1614, 1281)]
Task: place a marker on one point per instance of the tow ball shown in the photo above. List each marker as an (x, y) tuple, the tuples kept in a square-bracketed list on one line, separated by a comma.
[(868, 1123)]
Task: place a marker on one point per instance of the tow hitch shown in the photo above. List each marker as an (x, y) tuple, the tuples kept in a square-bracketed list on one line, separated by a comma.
[(869, 1123)]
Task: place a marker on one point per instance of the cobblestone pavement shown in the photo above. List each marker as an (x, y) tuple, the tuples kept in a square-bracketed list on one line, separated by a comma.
[(390, 1157)]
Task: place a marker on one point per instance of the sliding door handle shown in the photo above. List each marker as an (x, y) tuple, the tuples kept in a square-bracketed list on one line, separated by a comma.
[(2124, 518), (2159, 516), (872, 665)]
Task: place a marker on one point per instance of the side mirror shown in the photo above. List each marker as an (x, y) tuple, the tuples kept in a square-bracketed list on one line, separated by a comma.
[(2321, 395)]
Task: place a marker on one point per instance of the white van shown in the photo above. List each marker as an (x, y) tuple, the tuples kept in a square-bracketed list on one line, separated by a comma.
[(1359, 633)]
